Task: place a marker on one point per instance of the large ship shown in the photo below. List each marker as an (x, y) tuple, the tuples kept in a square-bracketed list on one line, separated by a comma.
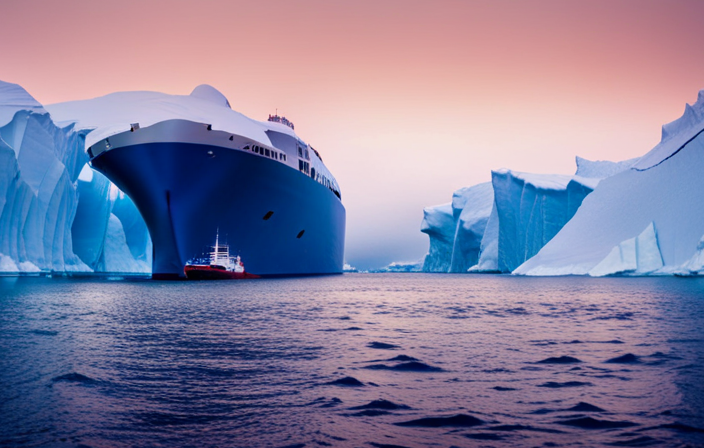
[(195, 168)]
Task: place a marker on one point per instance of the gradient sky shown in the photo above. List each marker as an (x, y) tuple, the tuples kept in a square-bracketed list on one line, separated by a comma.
[(407, 101)]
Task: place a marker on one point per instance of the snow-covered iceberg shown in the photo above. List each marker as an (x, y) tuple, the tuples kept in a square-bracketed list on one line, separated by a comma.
[(456, 229), (402, 266), (439, 224), (109, 234), (471, 207), (531, 208), (40, 163), (695, 265), (498, 225), (43, 200), (661, 190)]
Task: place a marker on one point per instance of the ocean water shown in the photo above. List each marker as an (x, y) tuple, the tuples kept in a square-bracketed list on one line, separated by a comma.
[(359, 360)]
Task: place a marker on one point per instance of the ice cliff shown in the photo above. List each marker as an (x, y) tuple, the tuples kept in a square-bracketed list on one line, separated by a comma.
[(456, 229), (498, 225), (45, 205), (660, 194)]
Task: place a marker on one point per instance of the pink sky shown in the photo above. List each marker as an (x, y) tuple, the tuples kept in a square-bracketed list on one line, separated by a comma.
[(406, 100)]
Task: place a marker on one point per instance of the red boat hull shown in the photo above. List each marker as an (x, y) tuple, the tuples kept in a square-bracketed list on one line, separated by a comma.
[(204, 272)]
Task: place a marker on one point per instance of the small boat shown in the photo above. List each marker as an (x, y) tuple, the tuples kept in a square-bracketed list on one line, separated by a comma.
[(218, 266)]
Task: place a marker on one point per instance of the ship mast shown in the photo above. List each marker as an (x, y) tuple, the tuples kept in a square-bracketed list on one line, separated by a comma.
[(216, 253)]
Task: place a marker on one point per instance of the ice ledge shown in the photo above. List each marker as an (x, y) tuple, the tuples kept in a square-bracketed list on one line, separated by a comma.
[(640, 256)]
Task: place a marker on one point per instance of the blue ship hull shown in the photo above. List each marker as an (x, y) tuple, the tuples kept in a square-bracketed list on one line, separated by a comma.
[(187, 192)]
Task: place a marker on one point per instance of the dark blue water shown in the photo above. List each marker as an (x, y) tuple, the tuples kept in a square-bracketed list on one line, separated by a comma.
[(355, 360)]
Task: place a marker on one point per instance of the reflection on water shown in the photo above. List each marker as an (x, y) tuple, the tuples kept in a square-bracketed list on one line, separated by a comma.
[(354, 360)]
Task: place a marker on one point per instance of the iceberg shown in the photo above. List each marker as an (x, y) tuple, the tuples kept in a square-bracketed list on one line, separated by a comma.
[(471, 208), (38, 198), (498, 225), (639, 255), (456, 229), (659, 190), (695, 265), (439, 224), (489, 249), (117, 256), (531, 209), (402, 266), (54, 211), (109, 234), (600, 169)]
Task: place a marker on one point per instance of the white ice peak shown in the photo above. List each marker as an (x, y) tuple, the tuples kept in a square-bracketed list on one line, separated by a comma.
[(14, 98), (210, 93), (675, 135)]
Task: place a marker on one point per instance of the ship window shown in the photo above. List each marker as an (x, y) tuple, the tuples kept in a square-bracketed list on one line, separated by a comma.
[(312, 173), (300, 152), (267, 152), (232, 137), (246, 147), (300, 165), (300, 234), (268, 215)]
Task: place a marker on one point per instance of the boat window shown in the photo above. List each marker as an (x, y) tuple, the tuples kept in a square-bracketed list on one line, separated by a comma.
[(246, 147), (300, 165), (267, 152), (312, 173), (300, 234), (300, 152), (268, 215)]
